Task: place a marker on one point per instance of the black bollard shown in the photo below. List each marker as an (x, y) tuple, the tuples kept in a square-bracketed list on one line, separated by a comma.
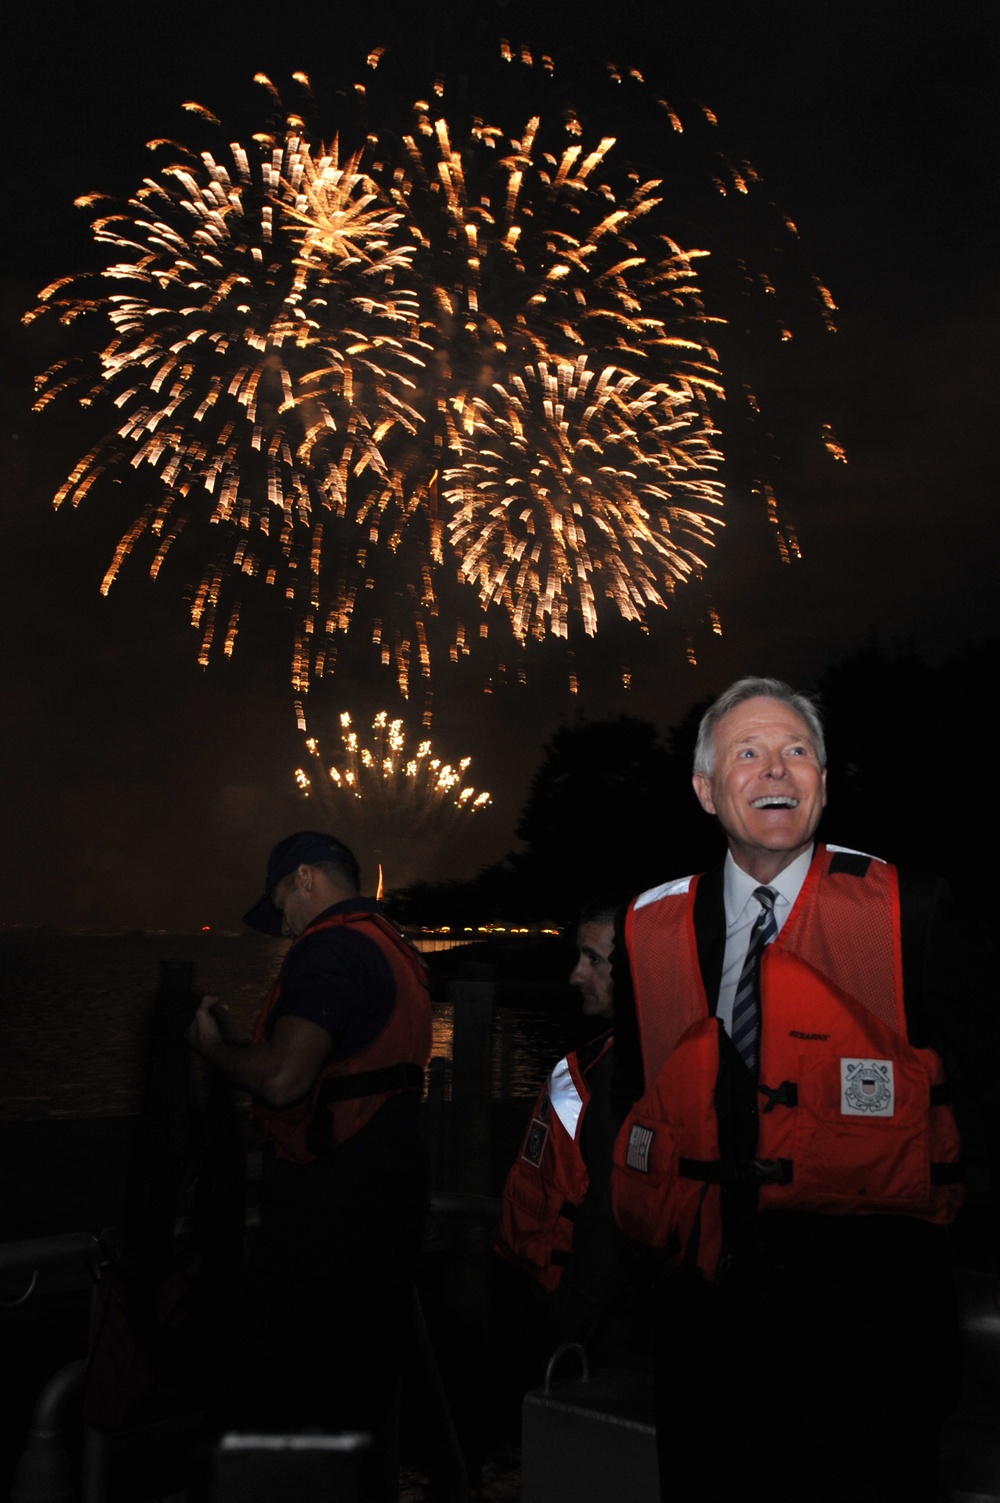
[(472, 995)]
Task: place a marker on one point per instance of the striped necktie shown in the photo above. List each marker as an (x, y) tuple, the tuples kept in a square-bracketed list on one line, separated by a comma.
[(746, 1026)]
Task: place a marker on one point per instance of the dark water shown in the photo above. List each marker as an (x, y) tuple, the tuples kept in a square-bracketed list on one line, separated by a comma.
[(71, 1009)]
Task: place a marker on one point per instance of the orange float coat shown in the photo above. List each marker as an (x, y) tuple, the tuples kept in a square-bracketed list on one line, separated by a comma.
[(350, 1091), (851, 1119), (549, 1180)]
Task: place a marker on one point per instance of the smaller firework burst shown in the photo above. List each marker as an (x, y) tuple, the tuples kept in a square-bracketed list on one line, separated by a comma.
[(390, 797)]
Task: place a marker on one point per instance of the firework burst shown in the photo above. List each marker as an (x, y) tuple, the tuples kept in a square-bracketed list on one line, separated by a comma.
[(568, 397), (463, 372), (262, 350), (390, 796), (573, 492)]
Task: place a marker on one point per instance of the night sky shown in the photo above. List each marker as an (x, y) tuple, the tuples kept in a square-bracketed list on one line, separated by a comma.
[(142, 791)]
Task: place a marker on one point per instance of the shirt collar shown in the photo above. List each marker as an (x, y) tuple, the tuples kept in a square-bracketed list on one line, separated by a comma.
[(347, 905), (739, 887), (360, 904)]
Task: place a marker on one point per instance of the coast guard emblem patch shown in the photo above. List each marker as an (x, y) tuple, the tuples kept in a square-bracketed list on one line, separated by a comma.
[(534, 1143), (867, 1088), (640, 1141)]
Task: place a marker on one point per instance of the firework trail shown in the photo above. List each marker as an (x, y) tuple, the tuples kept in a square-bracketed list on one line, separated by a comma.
[(255, 366), (401, 801), (569, 391), (460, 379)]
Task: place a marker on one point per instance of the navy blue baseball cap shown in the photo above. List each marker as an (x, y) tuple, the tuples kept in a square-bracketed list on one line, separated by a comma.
[(308, 847)]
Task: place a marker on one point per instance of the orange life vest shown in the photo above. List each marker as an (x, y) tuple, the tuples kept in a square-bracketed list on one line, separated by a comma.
[(852, 1120), (349, 1092), (549, 1179)]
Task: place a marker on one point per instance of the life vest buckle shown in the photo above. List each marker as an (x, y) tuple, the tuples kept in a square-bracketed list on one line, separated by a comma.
[(770, 1171), (787, 1094)]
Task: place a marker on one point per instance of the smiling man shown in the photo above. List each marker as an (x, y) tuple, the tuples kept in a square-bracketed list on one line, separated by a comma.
[(793, 1153), (760, 767)]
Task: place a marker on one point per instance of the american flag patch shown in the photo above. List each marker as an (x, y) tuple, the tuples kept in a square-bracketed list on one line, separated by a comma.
[(640, 1140)]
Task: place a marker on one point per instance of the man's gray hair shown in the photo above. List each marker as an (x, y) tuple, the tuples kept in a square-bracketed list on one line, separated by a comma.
[(754, 688)]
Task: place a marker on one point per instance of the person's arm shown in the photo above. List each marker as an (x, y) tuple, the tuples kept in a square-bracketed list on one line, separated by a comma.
[(280, 1069)]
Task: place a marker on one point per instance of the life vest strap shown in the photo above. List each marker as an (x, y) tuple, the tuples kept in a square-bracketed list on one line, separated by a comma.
[(386, 1080), (738, 1172), (404, 1076), (787, 1094)]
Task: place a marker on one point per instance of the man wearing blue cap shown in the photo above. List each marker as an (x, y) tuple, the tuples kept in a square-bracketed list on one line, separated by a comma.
[(335, 1068)]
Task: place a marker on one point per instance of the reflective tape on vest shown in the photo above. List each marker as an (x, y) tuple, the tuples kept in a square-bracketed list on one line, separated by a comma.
[(564, 1093)]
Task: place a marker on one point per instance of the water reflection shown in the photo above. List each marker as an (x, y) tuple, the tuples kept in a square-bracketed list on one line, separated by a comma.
[(71, 1007)]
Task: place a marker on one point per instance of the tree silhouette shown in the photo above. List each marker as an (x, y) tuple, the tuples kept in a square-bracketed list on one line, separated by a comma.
[(610, 808), (907, 776), (601, 813)]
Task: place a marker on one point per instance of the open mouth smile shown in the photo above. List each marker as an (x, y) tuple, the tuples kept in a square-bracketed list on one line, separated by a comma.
[(775, 801)]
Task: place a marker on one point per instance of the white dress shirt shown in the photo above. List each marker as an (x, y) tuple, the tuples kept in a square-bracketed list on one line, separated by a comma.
[(742, 909)]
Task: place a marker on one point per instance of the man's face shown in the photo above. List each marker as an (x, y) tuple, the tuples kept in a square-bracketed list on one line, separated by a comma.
[(292, 902), (592, 972), (767, 789)]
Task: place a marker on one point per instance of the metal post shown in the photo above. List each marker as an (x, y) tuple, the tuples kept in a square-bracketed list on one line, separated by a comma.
[(45, 1472), (472, 994), (435, 1124)]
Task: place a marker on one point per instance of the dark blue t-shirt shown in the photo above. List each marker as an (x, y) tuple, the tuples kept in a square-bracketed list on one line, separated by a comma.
[(339, 979)]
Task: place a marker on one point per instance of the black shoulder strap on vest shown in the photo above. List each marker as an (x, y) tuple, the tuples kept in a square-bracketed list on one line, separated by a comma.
[(593, 1050), (849, 863)]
